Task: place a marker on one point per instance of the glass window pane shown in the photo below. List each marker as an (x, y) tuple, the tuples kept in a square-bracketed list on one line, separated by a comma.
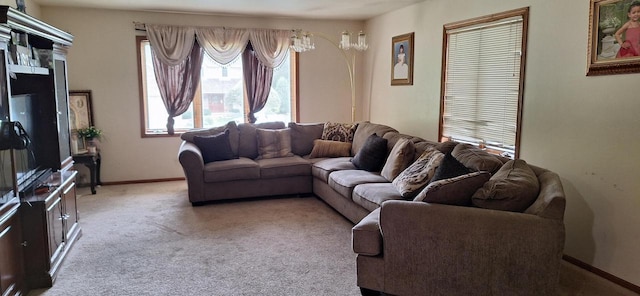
[(222, 93), (278, 107)]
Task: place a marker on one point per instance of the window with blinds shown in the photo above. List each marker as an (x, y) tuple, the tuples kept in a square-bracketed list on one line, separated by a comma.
[(483, 74)]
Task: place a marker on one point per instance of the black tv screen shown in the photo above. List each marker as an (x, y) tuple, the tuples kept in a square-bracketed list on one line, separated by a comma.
[(24, 109)]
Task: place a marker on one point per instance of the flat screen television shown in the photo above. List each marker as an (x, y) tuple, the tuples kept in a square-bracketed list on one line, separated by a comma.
[(24, 109)]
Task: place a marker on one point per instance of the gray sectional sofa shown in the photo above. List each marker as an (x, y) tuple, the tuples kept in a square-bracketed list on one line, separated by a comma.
[(430, 242)]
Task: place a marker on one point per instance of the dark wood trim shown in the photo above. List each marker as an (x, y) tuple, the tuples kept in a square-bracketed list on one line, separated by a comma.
[(601, 273), (142, 181), (295, 67), (143, 109)]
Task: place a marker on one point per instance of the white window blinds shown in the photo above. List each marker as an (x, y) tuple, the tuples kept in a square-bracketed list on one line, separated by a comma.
[(481, 89)]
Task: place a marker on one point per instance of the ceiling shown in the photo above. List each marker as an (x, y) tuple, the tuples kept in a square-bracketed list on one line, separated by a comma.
[(309, 9)]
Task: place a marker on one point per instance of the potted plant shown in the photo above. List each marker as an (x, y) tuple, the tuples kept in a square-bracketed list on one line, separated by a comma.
[(89, 134)]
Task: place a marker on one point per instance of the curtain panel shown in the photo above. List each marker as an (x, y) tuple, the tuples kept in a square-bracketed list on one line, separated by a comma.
[(257, 82), (221, 44)]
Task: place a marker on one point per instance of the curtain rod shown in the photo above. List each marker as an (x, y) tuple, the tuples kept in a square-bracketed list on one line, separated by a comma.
[(139, 26)]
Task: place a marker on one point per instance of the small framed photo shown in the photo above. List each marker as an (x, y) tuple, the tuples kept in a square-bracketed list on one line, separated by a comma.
[(402, 59), (80, 112), (614, 37)]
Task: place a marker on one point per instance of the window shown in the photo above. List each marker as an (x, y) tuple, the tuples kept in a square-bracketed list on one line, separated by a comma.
[(220, 97), (483, 79)]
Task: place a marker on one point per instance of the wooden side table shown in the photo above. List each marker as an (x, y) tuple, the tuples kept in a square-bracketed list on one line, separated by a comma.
[(91, 161)]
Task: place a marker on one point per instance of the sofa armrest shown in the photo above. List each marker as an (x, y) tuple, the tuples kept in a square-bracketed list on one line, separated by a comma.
[(190, 158), (433, 248), (366, 238)]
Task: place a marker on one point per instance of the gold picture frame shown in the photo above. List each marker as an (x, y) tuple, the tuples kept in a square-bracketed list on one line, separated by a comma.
[(606, 55), (402, 59)]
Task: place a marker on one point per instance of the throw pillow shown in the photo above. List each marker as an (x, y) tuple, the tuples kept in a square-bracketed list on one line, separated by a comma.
[(399, 159), (233, 134), (248, 138), (214, 148), (450, 168), (418, 174), (303, 135), (273, 143), (326, 148), (372, 155), (453, 191), (342, 132), (476, 158), (513, 188)]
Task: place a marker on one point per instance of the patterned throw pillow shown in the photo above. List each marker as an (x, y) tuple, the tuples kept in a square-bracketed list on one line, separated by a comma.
[(419, 173), (342, 132), (274, 143)]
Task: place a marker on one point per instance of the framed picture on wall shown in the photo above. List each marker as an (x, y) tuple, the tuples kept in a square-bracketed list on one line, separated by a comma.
[(402, 59), (80, 112), (614, 37)]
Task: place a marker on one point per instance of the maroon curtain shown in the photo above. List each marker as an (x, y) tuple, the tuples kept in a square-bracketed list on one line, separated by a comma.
[(178, 83), (257, 81)]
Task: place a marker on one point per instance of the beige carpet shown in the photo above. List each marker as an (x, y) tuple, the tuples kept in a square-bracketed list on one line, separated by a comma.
[(146, 239)]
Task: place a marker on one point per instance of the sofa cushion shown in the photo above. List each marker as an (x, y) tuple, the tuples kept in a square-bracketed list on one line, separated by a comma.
[(234, 134), (366, 129), (284, 167), (513, 188), (344, 181), (342, 132), (476, 158), (366, 235), (399, 159), (372, 155), (274, 143), (303, 135), (231, 170), (447, 147), (248, 142), (449, 167), (418, 174), (371, 195), (323, 168), (453, 191), (328, 148), (214, 148)]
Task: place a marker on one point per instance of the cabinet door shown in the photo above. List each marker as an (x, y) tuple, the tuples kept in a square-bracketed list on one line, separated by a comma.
[(71, 210), (62, 106), (55, 225), (11, 267)]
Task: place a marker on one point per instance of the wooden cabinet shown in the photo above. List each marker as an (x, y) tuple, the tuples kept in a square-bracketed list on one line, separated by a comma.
[(11, 265), (50, 223)]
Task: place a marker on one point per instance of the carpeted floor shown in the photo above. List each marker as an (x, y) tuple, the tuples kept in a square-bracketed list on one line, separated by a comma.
[(147, 239)]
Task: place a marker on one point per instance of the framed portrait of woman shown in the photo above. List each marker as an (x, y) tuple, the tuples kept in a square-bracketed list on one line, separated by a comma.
[(402, 59), (614, 37)]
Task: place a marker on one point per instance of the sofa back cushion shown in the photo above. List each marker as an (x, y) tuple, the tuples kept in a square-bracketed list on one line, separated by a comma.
[(234, 135), (366, 129), (476, 158), (248, 142), (303, 135)]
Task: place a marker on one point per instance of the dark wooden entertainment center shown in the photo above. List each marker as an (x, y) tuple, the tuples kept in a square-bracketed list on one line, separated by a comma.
[(38, 213)]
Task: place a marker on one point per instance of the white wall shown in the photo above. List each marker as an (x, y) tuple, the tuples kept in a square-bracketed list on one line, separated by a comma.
[(103, 59), (587, 129), (32, 8)]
